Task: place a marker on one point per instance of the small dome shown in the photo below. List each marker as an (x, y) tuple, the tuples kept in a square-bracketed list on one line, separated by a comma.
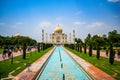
[(58, 29), (16, 35), (99, 35)]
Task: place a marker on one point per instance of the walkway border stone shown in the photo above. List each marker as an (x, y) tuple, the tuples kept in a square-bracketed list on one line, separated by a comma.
[(96, 73), (35, 67)]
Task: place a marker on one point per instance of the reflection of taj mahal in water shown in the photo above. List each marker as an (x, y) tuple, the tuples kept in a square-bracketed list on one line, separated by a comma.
[(58, 36)]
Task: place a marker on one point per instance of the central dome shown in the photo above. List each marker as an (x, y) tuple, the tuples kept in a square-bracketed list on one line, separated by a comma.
[(58, 29)]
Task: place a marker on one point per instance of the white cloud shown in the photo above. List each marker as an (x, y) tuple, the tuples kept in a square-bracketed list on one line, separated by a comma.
[(96, 24), (17, 24), (37, 30), (59, 18), (114, 0), (45, 24), (78, 23)]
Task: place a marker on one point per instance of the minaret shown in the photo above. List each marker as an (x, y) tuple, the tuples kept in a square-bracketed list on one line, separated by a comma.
[(43, 35), (66, 38), (50, 38), (70, 38), (46, 38), (73, 36)]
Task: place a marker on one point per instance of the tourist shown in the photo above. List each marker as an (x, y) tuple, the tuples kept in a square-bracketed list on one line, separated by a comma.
[(29, 49), (20, 49), (106, 52), (9, 53), (4, 53)]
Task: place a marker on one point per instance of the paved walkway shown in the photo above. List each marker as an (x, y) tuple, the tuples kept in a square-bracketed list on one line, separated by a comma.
[(15, 54), (35, 67), (95, 73)]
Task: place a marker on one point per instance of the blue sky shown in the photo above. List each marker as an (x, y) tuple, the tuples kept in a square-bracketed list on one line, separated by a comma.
[(29, 17)]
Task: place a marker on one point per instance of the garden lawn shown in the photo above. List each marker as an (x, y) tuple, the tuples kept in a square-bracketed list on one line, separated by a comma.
[(19, 64), (0, 50), (102, 63)]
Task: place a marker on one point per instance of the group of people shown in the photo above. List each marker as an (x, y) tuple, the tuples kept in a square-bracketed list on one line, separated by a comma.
[(7, 52)]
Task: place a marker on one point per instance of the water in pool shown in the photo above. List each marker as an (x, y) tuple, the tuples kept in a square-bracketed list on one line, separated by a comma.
[(62, 67)]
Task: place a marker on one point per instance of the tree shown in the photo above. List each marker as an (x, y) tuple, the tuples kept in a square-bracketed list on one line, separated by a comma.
[(98, 52), (85, 48), (112, 53), (76, 40), (89, 42), (114, 38), (88, 39), (106, 41), (1, 41), (79, 44), (90, 49), (98, 42), (38, 46), (24, 50), (81, 47)]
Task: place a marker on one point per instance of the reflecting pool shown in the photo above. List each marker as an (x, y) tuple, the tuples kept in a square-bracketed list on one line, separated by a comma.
[(61, 66)]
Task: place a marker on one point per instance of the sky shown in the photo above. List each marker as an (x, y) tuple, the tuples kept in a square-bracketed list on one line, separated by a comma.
[(29, 17)]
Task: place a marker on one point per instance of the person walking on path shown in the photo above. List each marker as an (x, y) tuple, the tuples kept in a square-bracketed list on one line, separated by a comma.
[(20, 49), (4, 53), (9, 53)]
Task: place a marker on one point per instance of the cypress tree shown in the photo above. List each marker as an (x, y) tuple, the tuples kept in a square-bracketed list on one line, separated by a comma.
[(85, 48), (98, 52), (80, 48), (90, 50), (24, 50), (38, 47), (111, 57)]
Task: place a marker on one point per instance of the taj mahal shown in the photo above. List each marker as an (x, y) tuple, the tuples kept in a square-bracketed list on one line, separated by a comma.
[(58, 36)]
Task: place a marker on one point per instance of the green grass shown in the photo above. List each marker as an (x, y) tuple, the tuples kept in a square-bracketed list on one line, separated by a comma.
[(102, 63), (102, 50), (6, 67), (0, 50)]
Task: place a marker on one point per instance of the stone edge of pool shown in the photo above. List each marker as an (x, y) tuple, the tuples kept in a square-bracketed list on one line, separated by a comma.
[(93, 71), (34, 69)]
